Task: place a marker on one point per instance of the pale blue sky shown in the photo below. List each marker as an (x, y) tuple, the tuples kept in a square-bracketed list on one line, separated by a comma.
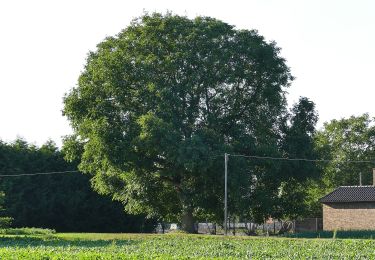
[(328, 44)]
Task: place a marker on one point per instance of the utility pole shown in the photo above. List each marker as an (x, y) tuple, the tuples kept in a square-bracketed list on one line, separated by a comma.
[(360, 179), (226, 195)]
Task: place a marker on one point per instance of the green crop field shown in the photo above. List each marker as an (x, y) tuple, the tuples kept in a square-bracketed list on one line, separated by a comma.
[(178, 246)]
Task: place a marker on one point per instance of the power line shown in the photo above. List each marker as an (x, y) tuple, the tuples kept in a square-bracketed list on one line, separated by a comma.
[(210, 157), (297, 159), (33, 174)]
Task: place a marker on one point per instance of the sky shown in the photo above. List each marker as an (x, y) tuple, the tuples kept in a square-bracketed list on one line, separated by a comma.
[(328, 44)]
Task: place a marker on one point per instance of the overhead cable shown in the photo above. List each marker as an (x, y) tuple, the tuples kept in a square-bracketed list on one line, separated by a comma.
[(297, 159), (33, 174)]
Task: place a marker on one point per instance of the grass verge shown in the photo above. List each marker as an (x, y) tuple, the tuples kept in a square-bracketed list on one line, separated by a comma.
[(178, 246)]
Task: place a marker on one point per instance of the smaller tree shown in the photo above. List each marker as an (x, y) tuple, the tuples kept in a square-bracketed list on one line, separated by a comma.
[(298, 143), (343, 141)]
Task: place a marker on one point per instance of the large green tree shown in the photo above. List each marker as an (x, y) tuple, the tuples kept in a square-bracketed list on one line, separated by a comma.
[(157, 106)]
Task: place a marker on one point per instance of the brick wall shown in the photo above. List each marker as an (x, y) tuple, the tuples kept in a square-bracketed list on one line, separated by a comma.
[(349, 216)]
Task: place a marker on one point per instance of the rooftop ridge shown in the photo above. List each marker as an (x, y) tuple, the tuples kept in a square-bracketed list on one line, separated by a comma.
[(351, 194)]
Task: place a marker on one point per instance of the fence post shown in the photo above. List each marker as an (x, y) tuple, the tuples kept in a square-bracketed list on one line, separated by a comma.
[(274, 227), (264, 226)]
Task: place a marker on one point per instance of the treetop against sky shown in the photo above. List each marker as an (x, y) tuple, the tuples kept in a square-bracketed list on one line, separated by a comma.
[(327, 44)]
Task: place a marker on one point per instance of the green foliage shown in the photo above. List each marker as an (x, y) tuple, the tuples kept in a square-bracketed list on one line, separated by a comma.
[(5, 221), (342, 141), (181, 247), (298, 142), (334, 234), (27, 231), (156, 105), (65, 201), (177, 232), (351, 139)]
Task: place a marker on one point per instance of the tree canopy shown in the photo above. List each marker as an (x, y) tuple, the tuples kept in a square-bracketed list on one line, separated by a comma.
[(298, 142), (345, 140), (157, 106)]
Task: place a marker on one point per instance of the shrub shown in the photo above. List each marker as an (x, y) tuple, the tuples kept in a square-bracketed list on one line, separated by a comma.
[(177, 231), (5, 222), (27, 231)]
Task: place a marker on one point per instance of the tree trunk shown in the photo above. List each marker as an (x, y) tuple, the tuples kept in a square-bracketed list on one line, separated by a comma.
[(187, 218), (163, 227), (187, 221)]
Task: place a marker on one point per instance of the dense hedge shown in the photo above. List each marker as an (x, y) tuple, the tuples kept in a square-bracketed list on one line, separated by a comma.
[(64, 202)]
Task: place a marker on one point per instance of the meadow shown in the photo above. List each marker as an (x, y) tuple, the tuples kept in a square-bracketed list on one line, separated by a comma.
[(178, 246)]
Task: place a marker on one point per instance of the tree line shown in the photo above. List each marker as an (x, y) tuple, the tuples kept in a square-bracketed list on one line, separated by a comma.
[(64, 201), (67, 202)]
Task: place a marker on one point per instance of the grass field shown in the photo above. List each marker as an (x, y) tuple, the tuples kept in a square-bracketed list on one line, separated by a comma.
[(178, 246)]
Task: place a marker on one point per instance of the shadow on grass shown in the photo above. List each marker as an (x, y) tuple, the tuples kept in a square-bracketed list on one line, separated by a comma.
[(36, 241)]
